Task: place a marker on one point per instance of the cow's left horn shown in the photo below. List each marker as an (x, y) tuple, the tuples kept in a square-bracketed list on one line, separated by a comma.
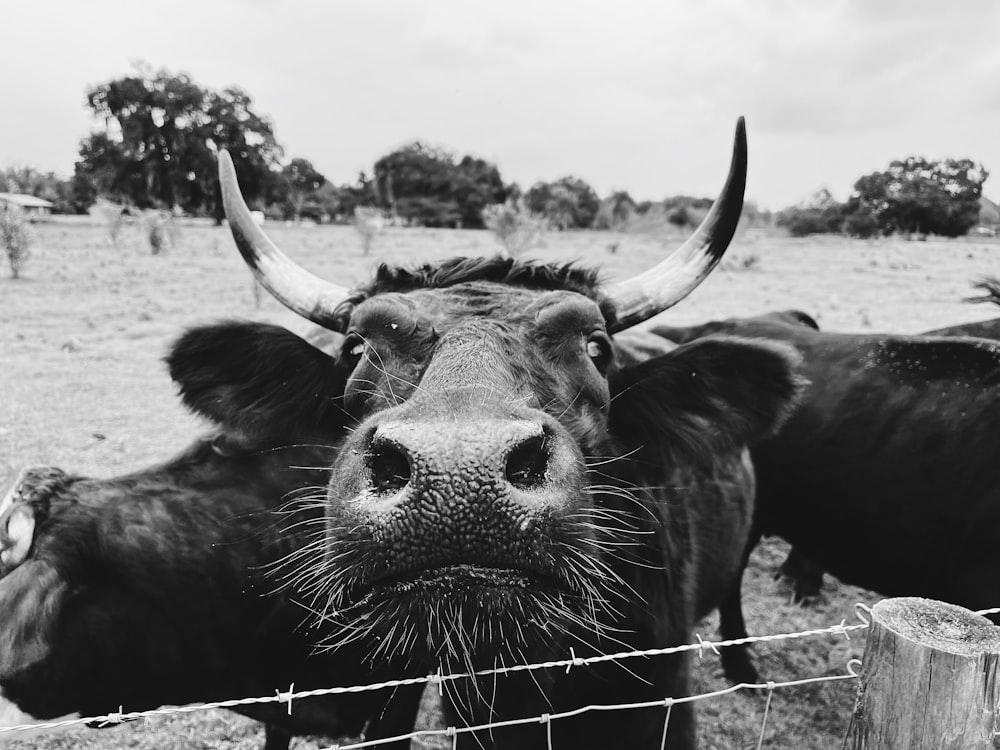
[(667, 283), (293, 286)]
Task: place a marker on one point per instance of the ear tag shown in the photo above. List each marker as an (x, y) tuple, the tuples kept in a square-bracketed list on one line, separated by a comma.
[(15, 541)]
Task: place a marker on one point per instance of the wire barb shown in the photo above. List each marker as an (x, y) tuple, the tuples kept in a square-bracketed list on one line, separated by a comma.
[(702, 644), (115, 717), (841, 629), (574, 660), (287, 697), (437, 678)]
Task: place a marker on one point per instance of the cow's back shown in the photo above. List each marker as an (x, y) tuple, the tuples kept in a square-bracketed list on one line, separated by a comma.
[(891, 451)]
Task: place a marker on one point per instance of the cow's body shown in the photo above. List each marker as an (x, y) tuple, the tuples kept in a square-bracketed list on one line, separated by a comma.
[(656, 526), (510, 484), (155, 588), (805, 575), (885, 475)]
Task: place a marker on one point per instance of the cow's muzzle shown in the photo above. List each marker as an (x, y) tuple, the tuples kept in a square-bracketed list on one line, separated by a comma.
[(449, 502)]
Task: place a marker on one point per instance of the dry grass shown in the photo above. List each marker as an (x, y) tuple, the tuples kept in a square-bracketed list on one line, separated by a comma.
[(83, 387)]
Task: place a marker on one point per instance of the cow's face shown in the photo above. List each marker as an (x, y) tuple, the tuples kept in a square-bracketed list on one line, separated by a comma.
[(471, 512), (518, 348), (458, 504)]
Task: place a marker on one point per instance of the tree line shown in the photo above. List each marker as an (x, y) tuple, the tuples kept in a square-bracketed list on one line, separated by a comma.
[(159, 133), (913, 196)]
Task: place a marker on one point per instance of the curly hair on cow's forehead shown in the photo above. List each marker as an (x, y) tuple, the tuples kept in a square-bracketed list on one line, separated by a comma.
[(525, 274)]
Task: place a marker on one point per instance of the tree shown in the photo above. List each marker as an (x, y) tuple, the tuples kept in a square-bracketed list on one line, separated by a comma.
[(234, 125), (859, 222), (476, 184), (801, 221), (567, 203), (105, 169), (161, 132), (819, 214), (339, 202), (428, 186), (413, 182), (300, 179), (615, 211), (83, 191), (917, 196)]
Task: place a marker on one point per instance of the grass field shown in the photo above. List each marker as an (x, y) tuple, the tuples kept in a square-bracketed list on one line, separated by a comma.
[(82, 386)]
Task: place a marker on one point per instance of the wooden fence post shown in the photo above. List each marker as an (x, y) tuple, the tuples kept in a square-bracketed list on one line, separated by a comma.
[(928, 679)]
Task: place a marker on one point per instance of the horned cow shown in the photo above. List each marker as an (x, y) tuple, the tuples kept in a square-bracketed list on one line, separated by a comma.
[(513, 483)]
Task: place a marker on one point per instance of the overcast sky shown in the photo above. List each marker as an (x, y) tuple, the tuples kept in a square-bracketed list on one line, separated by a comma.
[(641, 96)]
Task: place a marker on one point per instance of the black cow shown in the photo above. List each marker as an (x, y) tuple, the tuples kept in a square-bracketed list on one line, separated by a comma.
[(805, 575), (512, 484), (159, 587), (886, 473)]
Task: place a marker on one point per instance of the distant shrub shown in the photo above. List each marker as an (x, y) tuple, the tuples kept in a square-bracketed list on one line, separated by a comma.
[(515, 226), (160, 230), (861, 224), (803, 221), (679, 217), (750, 262), (369, 222), (615, 212), (15, 236), (113, 216)]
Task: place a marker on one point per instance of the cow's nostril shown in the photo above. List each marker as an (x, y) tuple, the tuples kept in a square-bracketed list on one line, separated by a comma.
[(389, 466), (526, 464)]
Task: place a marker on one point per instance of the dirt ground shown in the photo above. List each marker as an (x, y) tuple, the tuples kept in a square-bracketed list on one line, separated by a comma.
[(82, 386)]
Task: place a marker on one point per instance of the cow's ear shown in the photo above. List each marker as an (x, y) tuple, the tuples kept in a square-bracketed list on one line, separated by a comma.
[(260, 381), (713, 394)]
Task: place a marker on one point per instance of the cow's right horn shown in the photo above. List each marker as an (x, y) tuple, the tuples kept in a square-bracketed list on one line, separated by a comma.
[(293, 286), (667, 283)]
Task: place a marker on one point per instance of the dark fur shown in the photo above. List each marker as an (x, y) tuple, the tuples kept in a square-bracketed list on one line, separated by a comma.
[(512, 272), (886, 474), (258, 381), (687, 395), (152, 589), (465, 570)]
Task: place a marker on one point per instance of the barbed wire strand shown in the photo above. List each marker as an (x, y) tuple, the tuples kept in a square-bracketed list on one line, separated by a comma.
[(422, 733), (862, 611), (438, 678)]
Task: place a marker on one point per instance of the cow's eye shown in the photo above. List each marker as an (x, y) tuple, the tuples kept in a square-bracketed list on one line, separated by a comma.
[(354, 346), (599, 350)]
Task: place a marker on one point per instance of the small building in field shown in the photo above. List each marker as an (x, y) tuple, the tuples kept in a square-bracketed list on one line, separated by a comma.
[(34, 208)]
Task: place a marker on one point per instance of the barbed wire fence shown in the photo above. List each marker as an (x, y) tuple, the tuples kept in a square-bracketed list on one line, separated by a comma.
[(439, 679)]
